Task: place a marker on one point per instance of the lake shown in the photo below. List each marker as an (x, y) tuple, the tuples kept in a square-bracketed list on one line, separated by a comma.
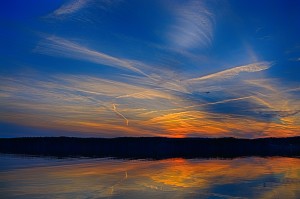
[(249, 177)]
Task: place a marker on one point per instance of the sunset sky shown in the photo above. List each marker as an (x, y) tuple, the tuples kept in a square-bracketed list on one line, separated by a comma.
[(175, 68)]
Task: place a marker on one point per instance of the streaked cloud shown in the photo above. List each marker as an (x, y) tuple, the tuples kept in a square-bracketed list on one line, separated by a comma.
[(82, 10), (193, 26), (165, 68), (56, 46), (70, 7), (120, 114), (94, 106), (225, 74)]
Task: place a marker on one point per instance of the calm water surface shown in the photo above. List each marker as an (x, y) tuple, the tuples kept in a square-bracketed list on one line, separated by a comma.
[(34, 177)]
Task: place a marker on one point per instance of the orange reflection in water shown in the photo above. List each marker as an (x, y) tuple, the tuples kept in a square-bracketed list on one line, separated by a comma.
[(245, 177)]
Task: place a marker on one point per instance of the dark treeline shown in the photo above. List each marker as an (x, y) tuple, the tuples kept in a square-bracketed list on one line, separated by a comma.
[(151, 147)]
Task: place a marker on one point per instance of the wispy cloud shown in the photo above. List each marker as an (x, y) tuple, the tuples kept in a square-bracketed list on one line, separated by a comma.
[(225, 74), (70, 7), (120, 114), (156, 101), (82, 10), (193, 26), (57, 46), (145, 74), (90, 104)]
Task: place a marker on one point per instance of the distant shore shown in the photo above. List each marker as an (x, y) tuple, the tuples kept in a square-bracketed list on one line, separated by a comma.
[(151, 147)]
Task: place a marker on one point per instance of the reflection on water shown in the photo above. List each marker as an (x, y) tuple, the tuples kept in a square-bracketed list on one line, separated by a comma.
[(23, 177)]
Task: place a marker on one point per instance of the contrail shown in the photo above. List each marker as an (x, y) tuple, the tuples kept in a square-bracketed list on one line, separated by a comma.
[(56, 46), (199, 105), (224, 101), (225, 74), (118, 113)]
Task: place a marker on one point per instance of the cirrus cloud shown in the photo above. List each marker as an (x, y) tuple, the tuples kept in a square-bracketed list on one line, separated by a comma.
[(193, 25)]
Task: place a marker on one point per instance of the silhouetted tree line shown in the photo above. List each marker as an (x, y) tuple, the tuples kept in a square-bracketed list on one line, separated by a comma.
[(151, 147)]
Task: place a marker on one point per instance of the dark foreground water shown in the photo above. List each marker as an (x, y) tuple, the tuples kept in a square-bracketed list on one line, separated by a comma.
[(39, 177)]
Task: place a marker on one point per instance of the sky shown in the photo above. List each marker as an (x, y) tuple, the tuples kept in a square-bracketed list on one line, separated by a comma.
[(174, 68)]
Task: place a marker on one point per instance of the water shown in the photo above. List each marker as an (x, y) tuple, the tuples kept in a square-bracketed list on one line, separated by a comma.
[(37, 177)]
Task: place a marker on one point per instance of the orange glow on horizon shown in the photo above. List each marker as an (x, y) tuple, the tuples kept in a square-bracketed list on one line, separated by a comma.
[(139, 111)]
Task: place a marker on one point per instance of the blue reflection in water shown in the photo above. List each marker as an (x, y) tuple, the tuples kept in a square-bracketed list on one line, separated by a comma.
[(38, 177)]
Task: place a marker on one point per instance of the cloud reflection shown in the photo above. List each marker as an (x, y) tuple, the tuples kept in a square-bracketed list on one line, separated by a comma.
[(179, 178)]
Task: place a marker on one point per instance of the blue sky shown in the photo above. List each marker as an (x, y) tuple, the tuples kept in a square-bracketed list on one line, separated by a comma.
[(149, 68)]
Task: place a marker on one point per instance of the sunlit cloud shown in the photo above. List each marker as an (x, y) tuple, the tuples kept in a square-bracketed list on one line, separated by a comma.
[(156, 68), (225, 74), (120, 114), (95, 105)]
